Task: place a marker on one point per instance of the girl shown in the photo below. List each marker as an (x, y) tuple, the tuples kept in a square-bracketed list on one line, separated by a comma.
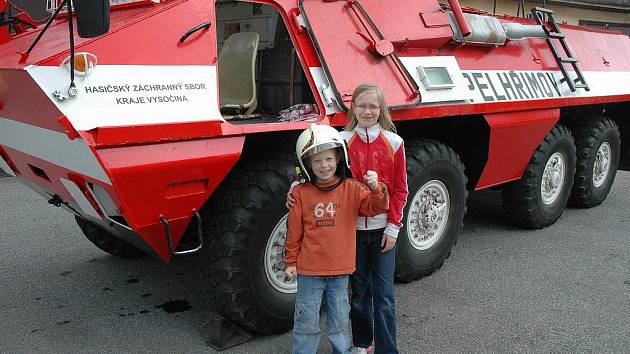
[(374, 145)]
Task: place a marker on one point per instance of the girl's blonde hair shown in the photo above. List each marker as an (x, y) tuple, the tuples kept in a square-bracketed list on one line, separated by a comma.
[(384, 118)]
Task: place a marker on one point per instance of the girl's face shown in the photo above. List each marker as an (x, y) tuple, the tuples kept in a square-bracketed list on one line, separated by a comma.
[(367, 109)]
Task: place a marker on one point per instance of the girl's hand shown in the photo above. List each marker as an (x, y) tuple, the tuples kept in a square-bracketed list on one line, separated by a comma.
[(290, 272), (371, 179), (387, 243), (290, 199)]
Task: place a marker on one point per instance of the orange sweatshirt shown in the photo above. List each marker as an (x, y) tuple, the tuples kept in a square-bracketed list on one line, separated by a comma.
[(321, 237)]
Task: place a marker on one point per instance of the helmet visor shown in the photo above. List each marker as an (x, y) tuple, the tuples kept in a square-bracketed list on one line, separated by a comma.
[(319, 148)]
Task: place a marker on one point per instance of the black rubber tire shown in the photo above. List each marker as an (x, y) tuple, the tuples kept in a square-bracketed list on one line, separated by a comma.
[(240, 218), (429, 160), (522, 199), (108, 242), (589, 136)]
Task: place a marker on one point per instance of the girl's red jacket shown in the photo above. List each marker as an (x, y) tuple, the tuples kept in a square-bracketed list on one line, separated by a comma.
[(384, 152)]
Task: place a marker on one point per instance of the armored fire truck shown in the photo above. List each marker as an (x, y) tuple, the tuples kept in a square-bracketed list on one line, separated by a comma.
[(167, 126)]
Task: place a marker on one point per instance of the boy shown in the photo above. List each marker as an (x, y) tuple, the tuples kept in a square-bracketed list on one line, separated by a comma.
[(321, 244)]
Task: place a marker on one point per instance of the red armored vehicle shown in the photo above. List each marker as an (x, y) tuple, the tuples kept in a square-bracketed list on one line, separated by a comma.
[(168, 127)]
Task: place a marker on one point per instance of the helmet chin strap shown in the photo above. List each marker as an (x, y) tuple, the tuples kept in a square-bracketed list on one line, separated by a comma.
[(329, 188)]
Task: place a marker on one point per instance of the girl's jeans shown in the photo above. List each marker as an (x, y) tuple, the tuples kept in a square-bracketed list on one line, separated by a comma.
[(306, 330), (373, 304)]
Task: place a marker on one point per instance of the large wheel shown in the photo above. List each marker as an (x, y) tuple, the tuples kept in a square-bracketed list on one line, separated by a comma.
[(242, 267), (538, 199), (435, 209), (108, 242), (598, 147)]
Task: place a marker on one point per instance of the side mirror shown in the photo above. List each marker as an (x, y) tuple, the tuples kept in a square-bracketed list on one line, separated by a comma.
[(92, 17)]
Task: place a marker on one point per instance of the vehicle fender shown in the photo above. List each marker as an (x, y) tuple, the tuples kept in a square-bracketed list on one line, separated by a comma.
[(513, 138)]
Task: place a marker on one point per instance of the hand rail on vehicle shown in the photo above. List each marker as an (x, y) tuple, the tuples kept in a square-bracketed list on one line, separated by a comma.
[(167, 230)]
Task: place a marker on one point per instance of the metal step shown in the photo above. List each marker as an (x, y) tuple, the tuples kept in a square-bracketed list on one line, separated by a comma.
[(557, 35), (542, 9)]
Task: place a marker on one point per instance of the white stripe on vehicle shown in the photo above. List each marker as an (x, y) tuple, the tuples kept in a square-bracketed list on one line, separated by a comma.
[(485, 86), (524, 85), (124, 95), (54, 147), (81, 200)]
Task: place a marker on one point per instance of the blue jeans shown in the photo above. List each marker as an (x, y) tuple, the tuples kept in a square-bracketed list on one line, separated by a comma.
[(306, 330), (373, 310)]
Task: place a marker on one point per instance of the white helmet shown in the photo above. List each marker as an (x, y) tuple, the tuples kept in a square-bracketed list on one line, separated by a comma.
[(317, 138)]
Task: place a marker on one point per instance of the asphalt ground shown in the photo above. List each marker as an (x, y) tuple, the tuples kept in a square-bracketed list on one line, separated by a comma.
[(565, 288)]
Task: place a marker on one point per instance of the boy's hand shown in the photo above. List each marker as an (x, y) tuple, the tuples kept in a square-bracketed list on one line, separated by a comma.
[(290, 199), (371, 179), (290, 273)]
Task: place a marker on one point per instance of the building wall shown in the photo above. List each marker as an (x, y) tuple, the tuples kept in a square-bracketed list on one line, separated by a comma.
[(570, 15)]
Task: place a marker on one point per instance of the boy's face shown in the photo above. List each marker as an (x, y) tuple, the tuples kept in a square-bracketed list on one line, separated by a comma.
[(324, 165), (367, 109)]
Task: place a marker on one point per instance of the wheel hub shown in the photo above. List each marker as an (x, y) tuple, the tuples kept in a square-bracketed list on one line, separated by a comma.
[(602, 164), (428, 215), (553, 178), (431, 214), (274, 259)]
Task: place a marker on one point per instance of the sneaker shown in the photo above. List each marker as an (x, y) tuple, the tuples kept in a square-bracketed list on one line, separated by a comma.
[(359, 350), (370, 349)]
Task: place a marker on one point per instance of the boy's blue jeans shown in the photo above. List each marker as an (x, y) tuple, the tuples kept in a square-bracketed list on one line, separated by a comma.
[(373, 303), (306, 330)]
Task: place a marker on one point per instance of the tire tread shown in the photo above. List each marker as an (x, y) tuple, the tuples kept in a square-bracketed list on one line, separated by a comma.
[(420, 154), (519, 198), (223, 262), (587, 136)]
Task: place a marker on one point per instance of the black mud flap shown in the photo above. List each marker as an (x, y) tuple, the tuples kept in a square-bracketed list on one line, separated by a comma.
[(220, 333)]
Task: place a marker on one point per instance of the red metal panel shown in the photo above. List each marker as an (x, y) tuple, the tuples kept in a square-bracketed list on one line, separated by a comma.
[(169, 179), (346, 55), (56, 39), (115, 136), (299, 34), (601, 51), (513, 138), (403, 22), (152, 40), (155, 40), (491, 107)]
